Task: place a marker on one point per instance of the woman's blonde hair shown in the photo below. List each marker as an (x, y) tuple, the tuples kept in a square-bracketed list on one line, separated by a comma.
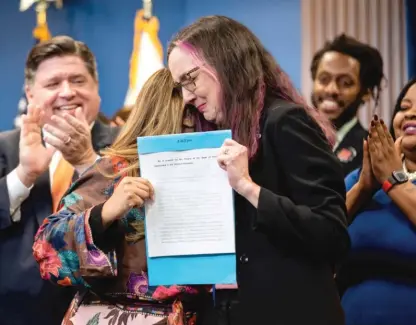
[(158, 110)]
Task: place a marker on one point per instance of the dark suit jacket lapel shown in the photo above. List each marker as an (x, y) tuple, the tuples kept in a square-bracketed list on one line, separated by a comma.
[(102, 135), (353, 137), (42, 198)]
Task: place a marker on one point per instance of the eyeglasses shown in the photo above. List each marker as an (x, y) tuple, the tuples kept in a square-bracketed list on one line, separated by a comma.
[(187, 81)]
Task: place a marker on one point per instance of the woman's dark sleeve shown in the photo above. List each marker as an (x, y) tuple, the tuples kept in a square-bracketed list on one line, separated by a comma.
[(313, 215)]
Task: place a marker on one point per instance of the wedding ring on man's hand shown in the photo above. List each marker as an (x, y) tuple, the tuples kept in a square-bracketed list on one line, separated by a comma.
[(68, 140)]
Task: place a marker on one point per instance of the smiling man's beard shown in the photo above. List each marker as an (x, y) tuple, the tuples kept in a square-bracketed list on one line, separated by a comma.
[(347, 114)]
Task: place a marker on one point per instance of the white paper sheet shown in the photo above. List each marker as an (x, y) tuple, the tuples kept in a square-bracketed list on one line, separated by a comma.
[(193, 211)]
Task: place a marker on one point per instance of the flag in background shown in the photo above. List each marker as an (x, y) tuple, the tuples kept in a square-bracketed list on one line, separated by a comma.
[(26, 4), (147, 54), (40, 33)]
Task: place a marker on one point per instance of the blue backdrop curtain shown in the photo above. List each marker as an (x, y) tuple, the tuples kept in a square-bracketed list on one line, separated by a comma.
[(411, 37)]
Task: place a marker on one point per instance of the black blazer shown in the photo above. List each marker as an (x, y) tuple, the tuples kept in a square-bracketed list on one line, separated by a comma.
[(350, 150), (287, 247), (24, 297)]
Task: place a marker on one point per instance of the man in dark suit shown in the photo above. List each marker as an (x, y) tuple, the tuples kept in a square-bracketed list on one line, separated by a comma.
[(346, 74), (60, 137)]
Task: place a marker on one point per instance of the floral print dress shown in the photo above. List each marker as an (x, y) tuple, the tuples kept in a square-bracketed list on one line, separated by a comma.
[(111, 275)]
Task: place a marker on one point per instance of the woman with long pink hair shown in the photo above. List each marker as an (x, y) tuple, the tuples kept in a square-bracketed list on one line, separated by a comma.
[(290, 194)]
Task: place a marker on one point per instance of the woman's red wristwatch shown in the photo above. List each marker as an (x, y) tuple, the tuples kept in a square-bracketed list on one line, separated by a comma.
[(397, 177)]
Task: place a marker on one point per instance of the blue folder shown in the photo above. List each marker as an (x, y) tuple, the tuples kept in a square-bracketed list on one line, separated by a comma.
[(189, 269)]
